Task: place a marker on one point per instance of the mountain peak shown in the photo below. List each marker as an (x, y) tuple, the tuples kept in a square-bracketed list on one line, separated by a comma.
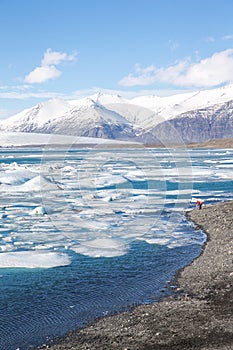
[(105, 99)]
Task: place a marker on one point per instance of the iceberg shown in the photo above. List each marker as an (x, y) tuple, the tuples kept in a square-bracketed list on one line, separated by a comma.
[(37, 184), (33, 259), (39, 211), (16, 177)]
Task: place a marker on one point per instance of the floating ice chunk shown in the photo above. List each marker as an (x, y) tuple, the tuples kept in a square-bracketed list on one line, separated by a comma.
[(6, 247), (177, 244), (39, 183), (182, 191), (159, 241), (36, 184), (226, 175), (7, 239), (135, 175), (211, 161), (107, 195), (33, 259), (16, 177), (44, 246), (108, 180), (101, 247), (39, 211), (141, 197), (109, 198), (68, 168)]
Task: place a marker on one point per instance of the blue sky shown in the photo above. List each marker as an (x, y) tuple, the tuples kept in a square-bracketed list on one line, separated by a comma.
[(73, 48)]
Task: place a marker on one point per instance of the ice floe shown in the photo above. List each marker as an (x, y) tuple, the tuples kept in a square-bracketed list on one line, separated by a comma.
[(33, 259), (101, 247)]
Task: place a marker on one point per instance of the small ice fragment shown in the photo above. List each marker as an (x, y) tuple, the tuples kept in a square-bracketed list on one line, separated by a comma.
[(39, 211)]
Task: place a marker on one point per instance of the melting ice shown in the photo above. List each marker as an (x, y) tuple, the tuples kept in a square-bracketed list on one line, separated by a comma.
[(96, 202)]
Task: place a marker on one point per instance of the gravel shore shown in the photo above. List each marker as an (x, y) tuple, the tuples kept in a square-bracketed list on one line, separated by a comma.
[(198, 316)]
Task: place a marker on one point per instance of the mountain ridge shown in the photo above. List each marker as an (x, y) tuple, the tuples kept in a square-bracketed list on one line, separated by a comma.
[(191, 117)]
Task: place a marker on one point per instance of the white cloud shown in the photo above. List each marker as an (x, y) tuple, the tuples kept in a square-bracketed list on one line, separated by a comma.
[(55, 57), (141, 76), (42, 74), (47, 70), (228, 37), (208, 72), (24, 95), (210, 39)]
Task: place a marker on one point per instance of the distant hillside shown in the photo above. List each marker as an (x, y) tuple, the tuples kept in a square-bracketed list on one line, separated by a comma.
[(217, 143)]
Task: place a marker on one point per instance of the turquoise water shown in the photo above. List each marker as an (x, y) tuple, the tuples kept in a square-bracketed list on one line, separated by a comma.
[(86, 233)]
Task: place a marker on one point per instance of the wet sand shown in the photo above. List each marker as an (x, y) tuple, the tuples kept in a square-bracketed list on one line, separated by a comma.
[(198, 316)]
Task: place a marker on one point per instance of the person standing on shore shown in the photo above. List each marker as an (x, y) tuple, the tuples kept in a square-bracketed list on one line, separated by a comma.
[(199, 204)]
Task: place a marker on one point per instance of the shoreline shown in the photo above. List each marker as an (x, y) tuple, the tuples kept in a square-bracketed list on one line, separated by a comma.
[(199, 314)]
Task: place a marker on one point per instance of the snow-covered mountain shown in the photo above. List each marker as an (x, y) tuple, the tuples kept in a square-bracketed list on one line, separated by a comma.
[(31, 119), (91, 119), (169, 107), (144, 118), (214, 122)]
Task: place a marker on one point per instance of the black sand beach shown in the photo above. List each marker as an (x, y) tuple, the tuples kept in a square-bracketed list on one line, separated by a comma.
[(198, 316)]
